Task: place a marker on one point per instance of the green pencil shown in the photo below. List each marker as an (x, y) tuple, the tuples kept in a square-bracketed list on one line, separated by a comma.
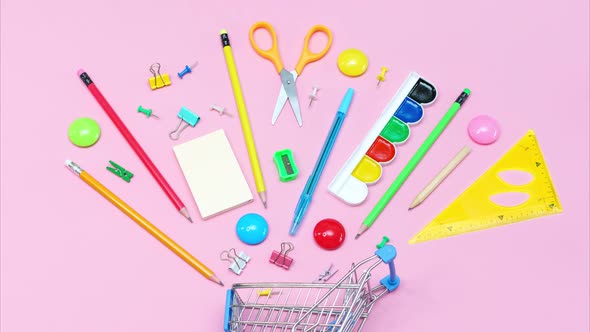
[(401, 178)]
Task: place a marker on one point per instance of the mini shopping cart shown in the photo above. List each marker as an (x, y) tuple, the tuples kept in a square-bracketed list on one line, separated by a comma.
[(310, 307)]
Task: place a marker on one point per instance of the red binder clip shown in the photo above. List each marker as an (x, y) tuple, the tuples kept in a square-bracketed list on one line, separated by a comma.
[(281, 258)]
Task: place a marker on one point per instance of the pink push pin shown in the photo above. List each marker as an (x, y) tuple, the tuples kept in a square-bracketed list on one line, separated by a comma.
[(483, 129)]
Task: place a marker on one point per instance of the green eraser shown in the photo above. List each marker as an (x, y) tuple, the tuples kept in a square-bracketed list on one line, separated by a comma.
[(286, 165)]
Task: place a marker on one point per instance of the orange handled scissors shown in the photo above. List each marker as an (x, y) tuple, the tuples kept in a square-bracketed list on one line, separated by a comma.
[(288, 78)]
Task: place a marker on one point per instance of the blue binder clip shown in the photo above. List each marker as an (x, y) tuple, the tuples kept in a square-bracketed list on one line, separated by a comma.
[(188, 118)]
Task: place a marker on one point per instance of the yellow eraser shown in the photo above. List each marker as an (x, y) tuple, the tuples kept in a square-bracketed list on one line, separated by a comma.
[(159, 81), (222, 31)]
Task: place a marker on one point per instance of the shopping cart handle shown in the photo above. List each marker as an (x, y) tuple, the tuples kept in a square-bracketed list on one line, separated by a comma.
[(387, 254)]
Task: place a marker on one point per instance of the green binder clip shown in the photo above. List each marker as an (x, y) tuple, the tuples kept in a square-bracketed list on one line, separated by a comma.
[(286, 165), (120, 172)]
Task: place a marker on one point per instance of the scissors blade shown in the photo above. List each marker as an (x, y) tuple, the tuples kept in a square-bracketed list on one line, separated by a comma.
[(281, 100), (288, 79)]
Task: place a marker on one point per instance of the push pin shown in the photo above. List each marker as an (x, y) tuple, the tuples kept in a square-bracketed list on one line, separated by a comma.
[(189, 118), (265, 292), (238, 261), (383, 242), (188, 69), (159, 80), (147, 112), (324, 276), (219, 109), (282, 258), (120, 171), (381, 76), (314, 95)]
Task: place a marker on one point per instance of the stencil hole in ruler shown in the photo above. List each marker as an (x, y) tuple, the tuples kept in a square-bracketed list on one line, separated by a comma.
[(516, 177), (510, 199)]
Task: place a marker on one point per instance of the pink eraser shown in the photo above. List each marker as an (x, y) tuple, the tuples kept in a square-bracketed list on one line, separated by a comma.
[(80, 71)]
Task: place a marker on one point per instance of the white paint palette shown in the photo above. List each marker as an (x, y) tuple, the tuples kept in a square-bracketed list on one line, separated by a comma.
[(379, 147)]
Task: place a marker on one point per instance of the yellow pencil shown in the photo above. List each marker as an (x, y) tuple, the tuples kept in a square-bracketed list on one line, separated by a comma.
[(243, 113), (144, 223), (439, 178)]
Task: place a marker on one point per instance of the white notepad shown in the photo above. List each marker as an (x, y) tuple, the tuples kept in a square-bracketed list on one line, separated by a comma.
[(213, 174)]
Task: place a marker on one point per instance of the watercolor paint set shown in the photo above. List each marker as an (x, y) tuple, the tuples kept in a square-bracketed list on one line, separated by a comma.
[(379, 147)]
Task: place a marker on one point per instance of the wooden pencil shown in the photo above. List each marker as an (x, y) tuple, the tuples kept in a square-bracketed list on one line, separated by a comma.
[(149, 164), (440, 177), (143, 223)]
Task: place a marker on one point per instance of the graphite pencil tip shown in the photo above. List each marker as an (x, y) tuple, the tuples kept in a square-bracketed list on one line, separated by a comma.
[(357, 236), (184, 212), (216, 280), (262, 195)]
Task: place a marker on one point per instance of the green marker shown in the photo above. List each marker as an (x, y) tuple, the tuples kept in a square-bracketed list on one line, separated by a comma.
[(401, 178)]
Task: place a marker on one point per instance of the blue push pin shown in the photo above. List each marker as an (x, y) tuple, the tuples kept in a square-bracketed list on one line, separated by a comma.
[(186, 116), (188, 69)]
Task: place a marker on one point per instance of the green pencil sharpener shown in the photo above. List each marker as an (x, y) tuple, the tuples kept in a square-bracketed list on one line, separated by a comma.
[(286, 165)]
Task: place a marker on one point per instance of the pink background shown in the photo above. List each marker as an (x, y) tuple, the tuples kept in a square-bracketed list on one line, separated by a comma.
[(73, 262)]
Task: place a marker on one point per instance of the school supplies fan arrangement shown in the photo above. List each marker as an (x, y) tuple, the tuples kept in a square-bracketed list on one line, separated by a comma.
[(473, 210), (217, 183)]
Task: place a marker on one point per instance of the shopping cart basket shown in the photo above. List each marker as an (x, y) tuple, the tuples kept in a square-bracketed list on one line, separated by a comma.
[(310, 307)]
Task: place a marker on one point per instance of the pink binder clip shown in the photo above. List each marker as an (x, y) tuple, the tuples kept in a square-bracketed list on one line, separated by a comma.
[(281, 258)]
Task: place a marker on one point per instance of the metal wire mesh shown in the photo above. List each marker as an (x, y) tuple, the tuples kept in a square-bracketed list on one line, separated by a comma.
[(308, 307)]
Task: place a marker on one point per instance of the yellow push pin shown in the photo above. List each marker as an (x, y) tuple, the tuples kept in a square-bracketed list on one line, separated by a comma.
[(381, 76)]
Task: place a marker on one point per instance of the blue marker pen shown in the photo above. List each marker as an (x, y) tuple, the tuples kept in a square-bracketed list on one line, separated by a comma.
[(313, 180)]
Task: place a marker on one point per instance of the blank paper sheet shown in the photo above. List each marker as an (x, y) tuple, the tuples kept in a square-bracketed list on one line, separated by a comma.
[(213, 174)]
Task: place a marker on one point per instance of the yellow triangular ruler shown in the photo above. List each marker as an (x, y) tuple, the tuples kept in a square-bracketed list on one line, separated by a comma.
[(473, 210)]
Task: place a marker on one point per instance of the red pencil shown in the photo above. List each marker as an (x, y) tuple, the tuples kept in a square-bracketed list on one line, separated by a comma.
[(134, 145)]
